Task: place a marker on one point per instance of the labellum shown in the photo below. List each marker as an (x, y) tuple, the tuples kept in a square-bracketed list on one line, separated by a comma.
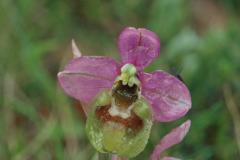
[(120, 119)]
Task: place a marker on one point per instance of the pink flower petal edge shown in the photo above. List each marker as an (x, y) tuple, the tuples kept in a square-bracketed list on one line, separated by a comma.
[(168, 96), (172, 138), (84, 77), (138, 46)]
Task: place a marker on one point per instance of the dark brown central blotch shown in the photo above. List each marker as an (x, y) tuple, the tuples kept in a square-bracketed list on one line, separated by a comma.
[(133, 122), (124, 95)]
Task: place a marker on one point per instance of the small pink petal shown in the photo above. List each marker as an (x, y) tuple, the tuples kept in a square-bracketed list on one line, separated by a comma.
[(84, 77), (76, 52), (138, 46), (172, 138), (168, 96)]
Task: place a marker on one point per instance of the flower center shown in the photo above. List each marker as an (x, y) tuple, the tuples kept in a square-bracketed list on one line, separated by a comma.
[(128, 75), (125, 91)]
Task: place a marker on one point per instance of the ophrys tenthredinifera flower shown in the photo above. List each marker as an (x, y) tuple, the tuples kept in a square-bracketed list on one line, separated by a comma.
[(122, 101)]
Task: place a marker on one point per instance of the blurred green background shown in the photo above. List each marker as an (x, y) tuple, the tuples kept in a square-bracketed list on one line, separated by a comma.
[(200, 39)]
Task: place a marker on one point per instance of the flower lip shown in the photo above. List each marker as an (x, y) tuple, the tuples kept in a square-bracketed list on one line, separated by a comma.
[(133, 122)]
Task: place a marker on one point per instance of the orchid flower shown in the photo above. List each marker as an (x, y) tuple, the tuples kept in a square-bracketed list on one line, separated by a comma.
[(122, 101)]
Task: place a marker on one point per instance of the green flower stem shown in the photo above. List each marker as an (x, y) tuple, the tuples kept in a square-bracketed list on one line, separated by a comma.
[(104, 156), (121, 158)]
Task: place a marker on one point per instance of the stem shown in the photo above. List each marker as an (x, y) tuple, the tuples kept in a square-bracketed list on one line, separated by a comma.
[(233, 109), (115, 157), (103, 156)]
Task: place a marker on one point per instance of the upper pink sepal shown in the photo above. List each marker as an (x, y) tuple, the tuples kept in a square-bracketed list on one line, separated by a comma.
[(168, 96), (172, 138), (138, 46), (84, 77)]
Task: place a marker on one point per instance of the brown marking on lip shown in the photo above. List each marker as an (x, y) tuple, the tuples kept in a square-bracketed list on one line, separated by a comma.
[(133, 122), (124, 95)]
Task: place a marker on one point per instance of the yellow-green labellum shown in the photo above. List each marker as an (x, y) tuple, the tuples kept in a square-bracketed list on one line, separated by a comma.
[(119, 130)]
